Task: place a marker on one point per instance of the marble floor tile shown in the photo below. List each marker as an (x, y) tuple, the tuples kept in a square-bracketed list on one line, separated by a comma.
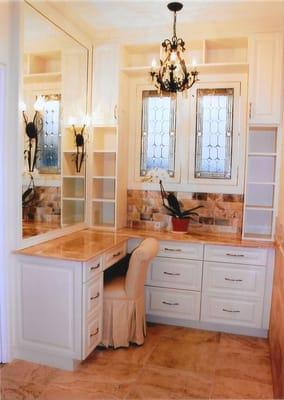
[(137, 355), (185, 355), (246, 366), (234, 388), (174, 363), (23, 371), (165, 383), (237, 344)]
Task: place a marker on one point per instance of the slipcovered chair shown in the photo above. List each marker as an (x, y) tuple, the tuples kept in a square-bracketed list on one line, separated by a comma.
[(124, 319)]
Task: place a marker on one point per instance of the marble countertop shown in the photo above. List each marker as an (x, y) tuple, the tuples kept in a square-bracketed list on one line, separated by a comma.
[(202, 238), (83, 245), (79, 246)]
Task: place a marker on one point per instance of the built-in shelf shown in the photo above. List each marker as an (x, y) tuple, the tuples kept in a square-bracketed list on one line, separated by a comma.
[(73, 177), (203, 68), (74, 198), (257, 236), (104, 151), (104, 200), (263, 154), (104, 177)]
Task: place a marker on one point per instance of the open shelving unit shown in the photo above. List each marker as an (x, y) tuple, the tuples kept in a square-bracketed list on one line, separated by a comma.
[(261, 183), (45, 65), (218, 55), (104, 158), (73, 182)]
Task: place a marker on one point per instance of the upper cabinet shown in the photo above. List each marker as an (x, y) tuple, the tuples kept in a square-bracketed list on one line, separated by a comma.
[(265, 60), (105, 89)]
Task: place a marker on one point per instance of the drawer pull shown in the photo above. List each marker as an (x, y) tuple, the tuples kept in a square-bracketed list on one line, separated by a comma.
[(95, 333), (95, 297), (231, 311), (96, 267), (171, 273), (170, 304), (168, 249), (116, 254), (234, 255), (233, 280)]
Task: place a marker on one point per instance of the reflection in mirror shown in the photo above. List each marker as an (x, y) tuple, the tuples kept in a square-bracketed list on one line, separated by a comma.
[(53, 190)]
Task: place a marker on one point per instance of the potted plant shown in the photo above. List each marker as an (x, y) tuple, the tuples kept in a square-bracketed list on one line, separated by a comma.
[(180, 217)]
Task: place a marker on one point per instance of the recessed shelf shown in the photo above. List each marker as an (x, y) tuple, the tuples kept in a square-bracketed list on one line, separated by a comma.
[(104, 151), (73, 198), (263, 154), (211, 67), (258, 221), (103, 177), (73, 177), (47, 77), (103, 213), (256, 207), (72, 211), (104, 164), (254, 236), (104, 200)]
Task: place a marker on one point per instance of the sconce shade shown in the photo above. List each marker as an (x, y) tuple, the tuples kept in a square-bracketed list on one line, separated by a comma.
[(31, 130)]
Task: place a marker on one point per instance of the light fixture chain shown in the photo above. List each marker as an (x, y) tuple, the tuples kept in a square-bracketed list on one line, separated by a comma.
[(175, 21)]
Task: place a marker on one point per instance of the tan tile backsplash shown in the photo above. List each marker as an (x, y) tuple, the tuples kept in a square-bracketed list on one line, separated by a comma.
[(45, 206), (221, 212)]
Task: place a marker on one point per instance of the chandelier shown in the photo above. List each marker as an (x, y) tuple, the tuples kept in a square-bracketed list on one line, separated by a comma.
[(172, 75)]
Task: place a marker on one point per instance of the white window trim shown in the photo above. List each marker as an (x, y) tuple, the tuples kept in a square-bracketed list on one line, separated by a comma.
[(237, 179), (185, 131)]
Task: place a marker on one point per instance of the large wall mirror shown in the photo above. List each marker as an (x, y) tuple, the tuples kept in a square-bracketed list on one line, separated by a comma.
[(53, 108)]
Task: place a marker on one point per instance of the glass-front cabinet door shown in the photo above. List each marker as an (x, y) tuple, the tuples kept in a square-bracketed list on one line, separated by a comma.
[(214, 146)]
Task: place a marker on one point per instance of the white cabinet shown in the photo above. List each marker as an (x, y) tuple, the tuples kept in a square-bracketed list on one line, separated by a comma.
[(226, 288), (105, 86), (265, 71), (59, 310), (174, 282)]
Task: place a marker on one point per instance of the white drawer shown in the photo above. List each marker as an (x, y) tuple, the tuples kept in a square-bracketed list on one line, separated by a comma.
[(175, 273), (234, 278), (92, 268), (231, 310), (114, 255), (92, 294), (173, 303), (92, 336), (238, 255), (181, 250)]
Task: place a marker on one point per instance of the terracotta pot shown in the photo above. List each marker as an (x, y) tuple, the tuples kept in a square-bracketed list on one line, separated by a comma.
[(180, 224)]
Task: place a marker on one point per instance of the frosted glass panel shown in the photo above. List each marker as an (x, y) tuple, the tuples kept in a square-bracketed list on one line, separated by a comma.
[(158, 133), (214, 131)]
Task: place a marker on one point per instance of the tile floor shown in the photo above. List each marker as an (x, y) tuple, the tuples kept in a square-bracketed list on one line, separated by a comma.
[(174, 363)]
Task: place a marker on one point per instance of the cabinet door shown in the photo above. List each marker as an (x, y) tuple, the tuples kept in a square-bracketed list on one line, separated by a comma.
[(105, 87), (265, 58)]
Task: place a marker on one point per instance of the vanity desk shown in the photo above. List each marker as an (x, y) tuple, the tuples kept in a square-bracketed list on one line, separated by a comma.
[(207, 282)]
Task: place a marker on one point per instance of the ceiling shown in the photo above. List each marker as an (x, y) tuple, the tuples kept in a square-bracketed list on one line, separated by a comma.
[(97, 16)]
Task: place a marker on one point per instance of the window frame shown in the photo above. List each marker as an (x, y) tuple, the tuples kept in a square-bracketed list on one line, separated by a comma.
[(235, 183), (135, 180)]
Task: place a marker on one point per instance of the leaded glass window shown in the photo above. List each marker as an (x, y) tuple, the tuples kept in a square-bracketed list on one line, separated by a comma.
[(158, 133), (50, 135), (214, 133)]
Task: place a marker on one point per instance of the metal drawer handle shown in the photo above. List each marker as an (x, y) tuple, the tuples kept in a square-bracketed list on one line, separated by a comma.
[(96, 267), (171, 273), (95, 297), (233, 280), (116, 254), (234, 255), (167, 249), (170, 304), (231, 311), (95, 333)]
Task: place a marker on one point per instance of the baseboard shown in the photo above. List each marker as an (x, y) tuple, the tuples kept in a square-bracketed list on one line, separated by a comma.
[(209, 326)]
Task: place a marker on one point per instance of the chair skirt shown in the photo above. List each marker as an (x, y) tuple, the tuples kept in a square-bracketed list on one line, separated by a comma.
[(124, 322)]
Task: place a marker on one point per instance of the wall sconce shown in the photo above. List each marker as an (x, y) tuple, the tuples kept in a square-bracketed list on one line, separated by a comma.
[(32, 130), (79, 130)]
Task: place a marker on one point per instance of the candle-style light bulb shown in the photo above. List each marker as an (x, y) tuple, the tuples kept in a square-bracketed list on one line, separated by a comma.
[(154, 64), (173, 56), (22, 106), (194, 63), (39, 104)]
